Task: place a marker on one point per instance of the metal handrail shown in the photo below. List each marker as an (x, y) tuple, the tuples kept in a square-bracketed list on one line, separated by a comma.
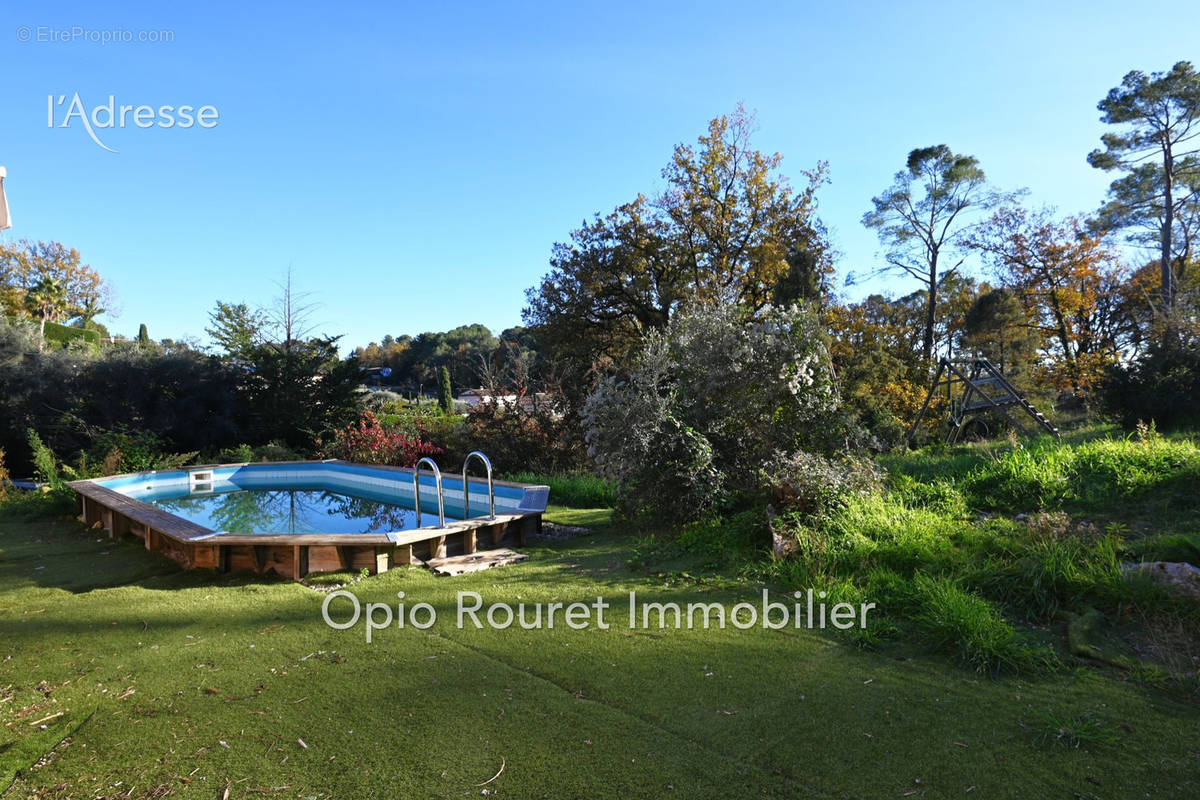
[(437, 477), (467, 486)]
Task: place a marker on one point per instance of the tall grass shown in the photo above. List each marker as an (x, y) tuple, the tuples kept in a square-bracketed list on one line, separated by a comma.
[(1098, 474), (947, 569), (578, 490), (968, 627)]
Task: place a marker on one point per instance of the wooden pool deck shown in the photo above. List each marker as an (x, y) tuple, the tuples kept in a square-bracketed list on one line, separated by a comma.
[(292, 555)]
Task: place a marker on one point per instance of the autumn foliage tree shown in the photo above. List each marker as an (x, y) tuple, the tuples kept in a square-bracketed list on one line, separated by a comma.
[(48, 281), (728, 226), (1068, 281)]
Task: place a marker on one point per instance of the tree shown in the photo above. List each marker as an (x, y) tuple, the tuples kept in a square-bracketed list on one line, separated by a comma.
[(923, 216), (1159, 152), (722, 229), (289, 317), (74, 287), (1067, 279), (445, 393), (143, 337), (733, 219), (708, 401), (807, 278), (300, 392), (46, 300), (998, 328), (85, 314), (236, 328)]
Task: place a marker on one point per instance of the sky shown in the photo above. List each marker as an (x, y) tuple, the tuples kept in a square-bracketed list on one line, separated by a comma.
[(413, 164)]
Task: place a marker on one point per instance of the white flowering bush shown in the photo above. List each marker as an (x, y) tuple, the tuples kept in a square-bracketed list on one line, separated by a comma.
[(707, 403)]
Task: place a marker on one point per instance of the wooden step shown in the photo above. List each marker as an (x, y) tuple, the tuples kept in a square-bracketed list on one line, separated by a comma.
[(474, 562)]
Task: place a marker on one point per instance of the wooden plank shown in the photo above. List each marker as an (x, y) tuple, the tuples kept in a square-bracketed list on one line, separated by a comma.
[(292, 539), (437, 546), (423, 534), (242, 559), (206, 555), (475, 562), (100, 502), (276, 559), (323, 559)]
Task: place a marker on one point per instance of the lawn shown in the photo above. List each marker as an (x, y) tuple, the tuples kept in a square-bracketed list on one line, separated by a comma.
[(121, 676)]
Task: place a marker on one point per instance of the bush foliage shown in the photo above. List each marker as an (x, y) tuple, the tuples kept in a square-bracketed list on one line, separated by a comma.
[(707, 402)]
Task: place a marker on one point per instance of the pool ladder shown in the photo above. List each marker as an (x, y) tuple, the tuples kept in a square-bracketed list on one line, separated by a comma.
[(437, 477)]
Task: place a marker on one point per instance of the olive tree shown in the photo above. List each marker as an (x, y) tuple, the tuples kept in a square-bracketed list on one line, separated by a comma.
[(708, 401)]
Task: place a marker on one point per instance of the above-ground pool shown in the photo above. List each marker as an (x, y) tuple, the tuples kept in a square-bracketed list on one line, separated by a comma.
[(293, 518)]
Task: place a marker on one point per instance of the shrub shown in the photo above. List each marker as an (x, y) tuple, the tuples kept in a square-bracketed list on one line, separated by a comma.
[(707, 402), (244, 453), (445, 392), (381, 401), (69, 398), (298, 392), (813, 486), (45, 465), (275, 451), (121, 451), (241, 454), (64, 335), (1162, 385), (369, 442), (428, 423), (523, 435)]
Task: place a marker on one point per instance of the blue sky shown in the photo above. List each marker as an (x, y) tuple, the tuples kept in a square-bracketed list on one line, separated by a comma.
[(413, 165)]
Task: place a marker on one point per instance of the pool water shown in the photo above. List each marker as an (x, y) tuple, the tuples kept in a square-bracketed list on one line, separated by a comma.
[(290, 510)]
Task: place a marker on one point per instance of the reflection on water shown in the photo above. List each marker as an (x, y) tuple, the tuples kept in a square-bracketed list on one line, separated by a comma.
[(290, 511)]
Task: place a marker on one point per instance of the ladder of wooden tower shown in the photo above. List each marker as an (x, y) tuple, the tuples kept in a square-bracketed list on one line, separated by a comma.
[(994, 375), (984, 389)]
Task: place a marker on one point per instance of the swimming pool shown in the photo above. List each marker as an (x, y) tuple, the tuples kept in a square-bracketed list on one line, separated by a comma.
[(297, 517)]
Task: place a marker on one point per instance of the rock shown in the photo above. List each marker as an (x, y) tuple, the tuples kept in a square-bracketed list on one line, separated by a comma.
[(1178, 575)]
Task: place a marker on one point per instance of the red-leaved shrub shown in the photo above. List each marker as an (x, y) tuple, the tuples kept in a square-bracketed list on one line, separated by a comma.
[(369, 442)]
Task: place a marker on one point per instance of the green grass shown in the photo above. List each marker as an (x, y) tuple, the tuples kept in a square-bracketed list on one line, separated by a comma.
[(969, 550), (970, 628), (1085, 729), (580, 490), (589, 517), (190, 682), (977, 675)]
